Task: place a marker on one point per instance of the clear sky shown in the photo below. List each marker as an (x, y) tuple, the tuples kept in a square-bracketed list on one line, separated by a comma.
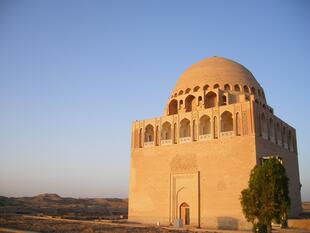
[(75, 74)]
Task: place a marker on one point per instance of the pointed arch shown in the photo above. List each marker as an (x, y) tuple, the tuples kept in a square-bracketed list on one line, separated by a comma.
[(190, 103), (184, 213), (204, 125), (185, 128), (210, 100), (196, 88), (226, 122), (246, 89), (173, 107), (216, 86), (237, 88), (187, 90), (149, 133), (166, 131), (206, 87), (227, 87)]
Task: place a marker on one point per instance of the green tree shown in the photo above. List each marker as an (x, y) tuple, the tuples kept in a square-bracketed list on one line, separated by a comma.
[(267, 197)]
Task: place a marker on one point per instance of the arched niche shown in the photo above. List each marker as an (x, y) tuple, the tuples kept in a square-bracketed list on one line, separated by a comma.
[(210, 100), (237, 88), (246, 89), (190, 104), (166, 131), (204, 125), (185, 128), (227, 87), (149, 133), (226, 122), (187, 90), (196, 88), (173, 107)]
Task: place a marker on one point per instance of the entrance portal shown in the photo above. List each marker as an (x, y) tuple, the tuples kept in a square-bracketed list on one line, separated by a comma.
[(184, 213)]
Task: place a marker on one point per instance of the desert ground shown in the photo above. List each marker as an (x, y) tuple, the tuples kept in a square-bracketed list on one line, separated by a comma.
[(50, 213)]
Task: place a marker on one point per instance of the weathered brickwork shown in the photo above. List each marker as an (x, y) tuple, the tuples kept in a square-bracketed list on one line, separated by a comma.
[(192, 162)]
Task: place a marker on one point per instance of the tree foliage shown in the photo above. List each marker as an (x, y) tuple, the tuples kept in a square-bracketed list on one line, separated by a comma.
[(267, 197)]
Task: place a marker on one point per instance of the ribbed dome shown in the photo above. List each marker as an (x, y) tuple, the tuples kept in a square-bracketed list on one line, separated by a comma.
[(216, 70)]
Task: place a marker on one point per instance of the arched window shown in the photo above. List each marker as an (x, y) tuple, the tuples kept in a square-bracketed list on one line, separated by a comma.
[(226, 121), (196, 88), (187, 90), (185, 128), (238, 124), (227, 87), (215, 127), (204, 125), (166, 131), (173, 107), (149, 133), (210, 100), (237, 87), (190, 104), (264, 127), (175, 95), (216, 86), (246, 89), (206, 87), (253, 90), (180, 92)]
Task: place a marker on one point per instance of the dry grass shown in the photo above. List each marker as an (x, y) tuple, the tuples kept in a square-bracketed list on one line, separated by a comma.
[(60, 226)]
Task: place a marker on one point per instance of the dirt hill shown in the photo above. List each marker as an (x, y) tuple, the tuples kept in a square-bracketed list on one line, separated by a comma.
[(54, 205)]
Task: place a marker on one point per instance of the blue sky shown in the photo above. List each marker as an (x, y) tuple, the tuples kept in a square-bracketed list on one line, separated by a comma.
[(75, 74)]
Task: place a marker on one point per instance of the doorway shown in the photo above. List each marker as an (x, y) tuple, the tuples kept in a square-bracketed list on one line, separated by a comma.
[(185, 213)]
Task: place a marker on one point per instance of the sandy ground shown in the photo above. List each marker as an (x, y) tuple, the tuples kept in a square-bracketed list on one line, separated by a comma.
[(55, 225)]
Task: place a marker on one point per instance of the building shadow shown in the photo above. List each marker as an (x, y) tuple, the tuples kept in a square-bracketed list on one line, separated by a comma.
[(227, 223)]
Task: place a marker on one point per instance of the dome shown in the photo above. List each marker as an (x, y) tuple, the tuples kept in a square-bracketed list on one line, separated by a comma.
[(216, 72)]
